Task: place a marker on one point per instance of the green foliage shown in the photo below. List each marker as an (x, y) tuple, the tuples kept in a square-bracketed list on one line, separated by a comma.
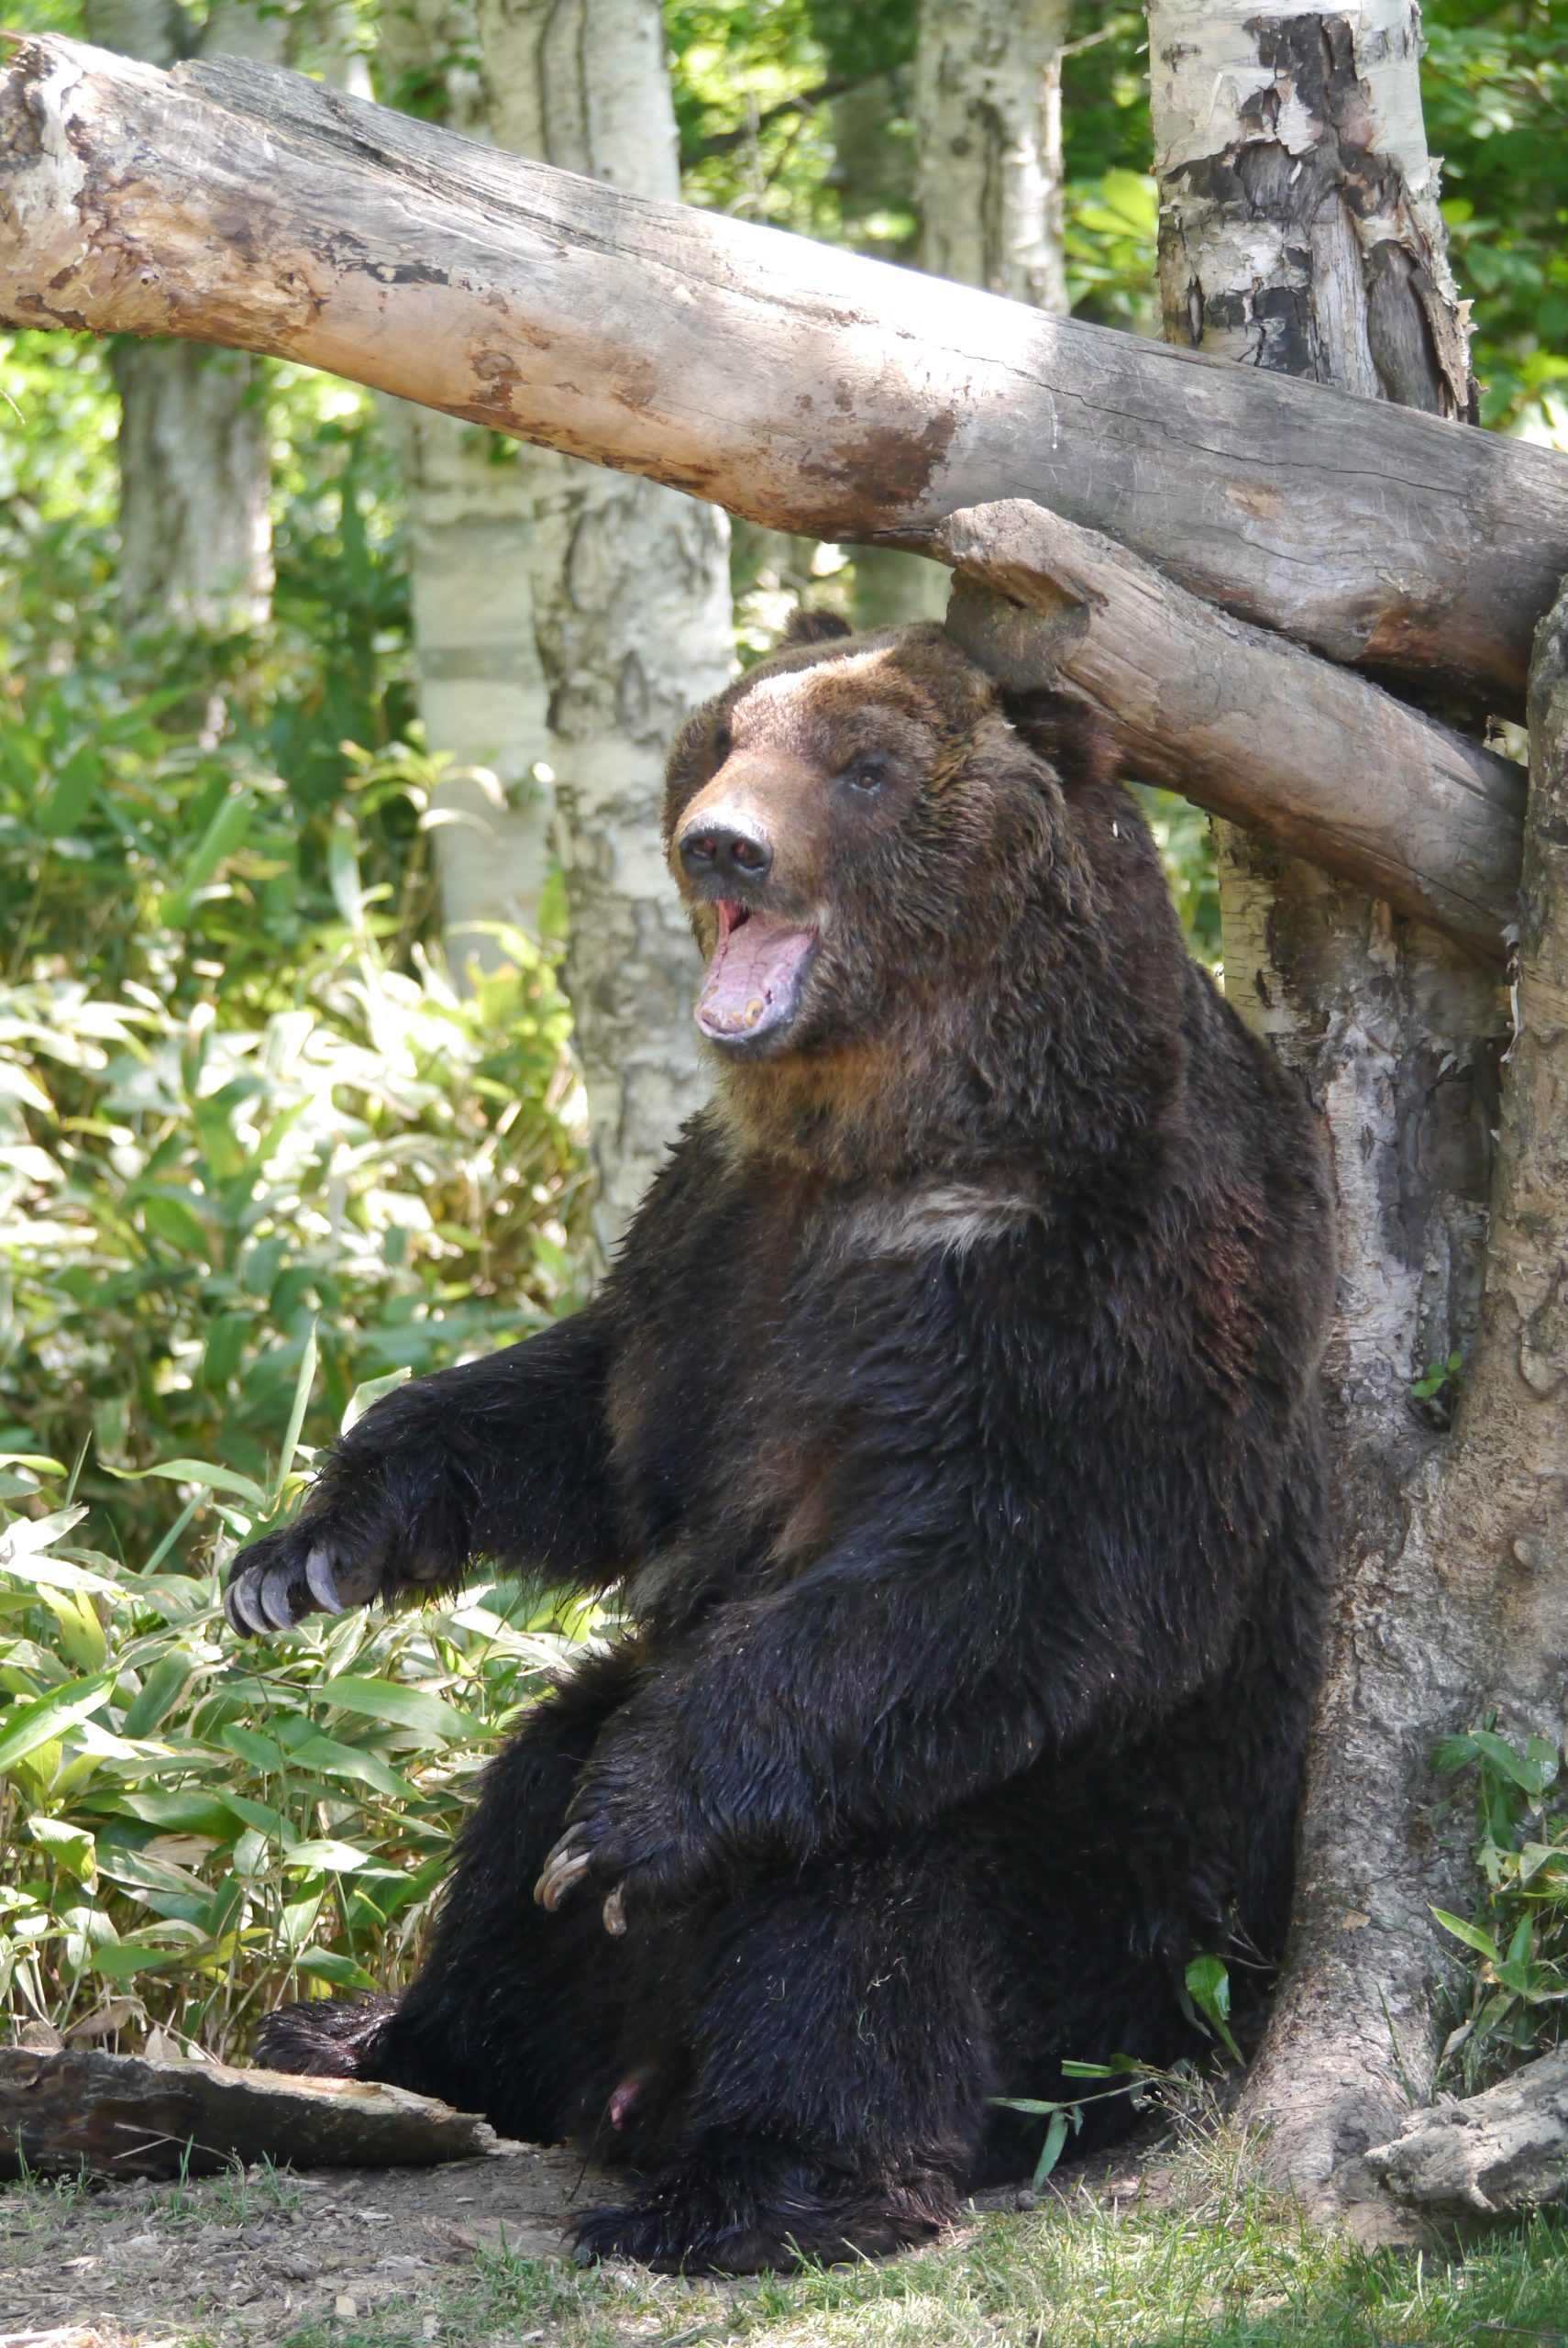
[(1519, 1934), (257, 1155), (191, 1830), (1494, 88)]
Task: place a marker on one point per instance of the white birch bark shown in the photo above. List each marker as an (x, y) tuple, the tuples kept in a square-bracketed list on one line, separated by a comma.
[(483, 699), (987, 113), (195, 475), (570, 618), (988, 131), (1300, 232)]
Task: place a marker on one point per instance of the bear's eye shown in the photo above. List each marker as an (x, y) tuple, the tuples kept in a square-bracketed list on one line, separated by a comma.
[(724, 742), (864, 774)]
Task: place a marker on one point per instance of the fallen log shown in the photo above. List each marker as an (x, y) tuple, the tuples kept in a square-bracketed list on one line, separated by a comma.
[(121, 2116), (1246, 723), (1485, 2155), (804, 387)]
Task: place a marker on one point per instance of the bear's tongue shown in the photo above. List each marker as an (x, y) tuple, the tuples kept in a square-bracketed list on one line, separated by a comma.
[(755, 976)]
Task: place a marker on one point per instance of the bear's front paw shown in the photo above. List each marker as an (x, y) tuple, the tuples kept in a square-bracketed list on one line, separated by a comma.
[(304, 1569), (634, 1853)]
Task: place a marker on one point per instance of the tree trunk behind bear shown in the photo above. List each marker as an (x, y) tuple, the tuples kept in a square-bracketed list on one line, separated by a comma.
[(987, 112), (568, 619), (195, 471), (483, 699), (1300, 232)]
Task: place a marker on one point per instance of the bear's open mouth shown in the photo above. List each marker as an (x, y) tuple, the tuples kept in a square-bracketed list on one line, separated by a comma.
[(753, 985)]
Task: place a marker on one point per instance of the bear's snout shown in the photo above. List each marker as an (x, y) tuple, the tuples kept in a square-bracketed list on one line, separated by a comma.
[(716, 849)]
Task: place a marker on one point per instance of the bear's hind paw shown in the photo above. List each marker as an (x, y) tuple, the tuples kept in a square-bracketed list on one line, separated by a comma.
[(744, 2217)]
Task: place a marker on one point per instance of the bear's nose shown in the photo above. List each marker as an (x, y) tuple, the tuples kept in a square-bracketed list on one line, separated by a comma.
[(725, 852)]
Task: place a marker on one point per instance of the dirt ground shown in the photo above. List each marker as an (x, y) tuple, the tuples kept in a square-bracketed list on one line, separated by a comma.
[(258, 2257), (466, 2255)]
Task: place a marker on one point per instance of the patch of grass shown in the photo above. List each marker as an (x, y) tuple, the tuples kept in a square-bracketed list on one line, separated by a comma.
[(1235, 2268)]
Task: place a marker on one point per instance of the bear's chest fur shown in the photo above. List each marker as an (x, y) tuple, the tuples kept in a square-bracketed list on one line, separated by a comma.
[(846, 1335)]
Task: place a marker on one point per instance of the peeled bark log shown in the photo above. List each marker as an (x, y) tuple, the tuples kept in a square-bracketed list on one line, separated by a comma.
[(1319, 762), (1489, 2156), (804, 388), (120, 2116)]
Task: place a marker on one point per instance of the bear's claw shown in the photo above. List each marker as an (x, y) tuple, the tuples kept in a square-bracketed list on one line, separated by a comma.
[(563, 1869), (275, 1582)]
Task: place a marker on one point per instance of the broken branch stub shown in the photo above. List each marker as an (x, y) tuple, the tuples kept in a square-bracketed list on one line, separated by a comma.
[(1244, 723), (805, 388)]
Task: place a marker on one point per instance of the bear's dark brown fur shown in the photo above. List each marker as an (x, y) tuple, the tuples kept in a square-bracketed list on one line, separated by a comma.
[(948, 1425)]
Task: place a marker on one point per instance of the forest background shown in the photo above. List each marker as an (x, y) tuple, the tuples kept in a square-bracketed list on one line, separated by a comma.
[(261, 1152)]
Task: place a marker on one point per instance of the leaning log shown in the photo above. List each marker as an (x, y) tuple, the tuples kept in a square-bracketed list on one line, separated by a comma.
[(800, 386), (119, 2115), (1245, 724)]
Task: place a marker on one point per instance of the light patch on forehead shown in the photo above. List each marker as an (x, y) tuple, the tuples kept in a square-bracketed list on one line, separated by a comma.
[(942, 1217), (769, 693)]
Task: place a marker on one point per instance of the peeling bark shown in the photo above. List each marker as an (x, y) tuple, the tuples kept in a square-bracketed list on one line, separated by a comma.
[(1301, 230), (804, 388)]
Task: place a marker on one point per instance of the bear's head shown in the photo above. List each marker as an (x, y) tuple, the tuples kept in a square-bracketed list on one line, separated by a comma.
[(893, 868)]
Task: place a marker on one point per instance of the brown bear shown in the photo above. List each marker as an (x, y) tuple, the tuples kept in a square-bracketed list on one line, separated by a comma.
[(947, 1431)]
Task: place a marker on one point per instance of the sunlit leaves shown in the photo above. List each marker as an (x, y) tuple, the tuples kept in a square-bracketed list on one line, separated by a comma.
[(223, 1825)]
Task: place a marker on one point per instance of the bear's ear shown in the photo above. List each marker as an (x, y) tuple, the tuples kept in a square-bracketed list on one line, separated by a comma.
[(814, 627), (1065, 733)]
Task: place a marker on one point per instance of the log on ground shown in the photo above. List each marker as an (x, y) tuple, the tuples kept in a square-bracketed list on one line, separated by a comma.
[(1246, 723), (120, 2116), (1485, 2155), (805, 388)]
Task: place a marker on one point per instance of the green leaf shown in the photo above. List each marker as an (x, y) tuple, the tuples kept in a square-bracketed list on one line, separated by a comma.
[(326, 1754), (24, 1727), (211, 1477), (1209, 1986), (382, 1699), (71, 1847), (370, 1392), (297, 1409), (223, 835), (122, 1960), (66, 804), (1051, 2150), (341, 1972), (1471, 1934), (172, 1220), (160, 1691), (325, 1851)]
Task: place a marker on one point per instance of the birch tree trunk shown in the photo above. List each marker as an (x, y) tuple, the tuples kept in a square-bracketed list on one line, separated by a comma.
[(1299, 233), (195, 472), (483, 699), (989, 134), (987, 112), (570, 618)]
